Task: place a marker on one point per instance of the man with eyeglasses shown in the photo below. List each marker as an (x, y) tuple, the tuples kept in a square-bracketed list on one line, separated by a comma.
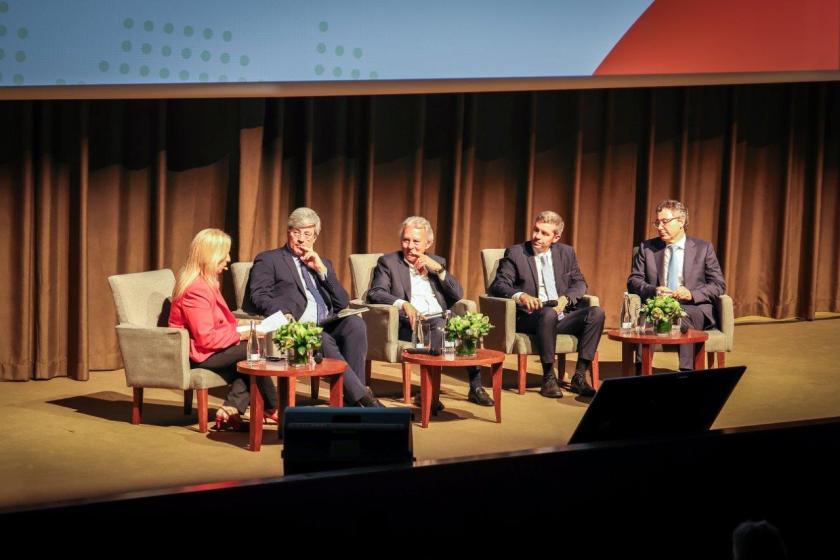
[(543, 277), (677, 265), (295, 279), (418, 284)]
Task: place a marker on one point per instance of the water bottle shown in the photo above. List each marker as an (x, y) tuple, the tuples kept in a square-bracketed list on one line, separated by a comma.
[(626, 315), (448, 350), (253, 351)]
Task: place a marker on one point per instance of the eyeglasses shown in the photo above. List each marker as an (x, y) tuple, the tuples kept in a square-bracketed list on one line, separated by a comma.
[(657, 223), (300, 234)]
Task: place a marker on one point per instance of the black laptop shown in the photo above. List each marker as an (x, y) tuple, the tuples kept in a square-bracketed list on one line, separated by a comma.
[(661, 405)]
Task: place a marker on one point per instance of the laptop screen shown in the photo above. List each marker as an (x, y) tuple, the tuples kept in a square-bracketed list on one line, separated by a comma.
[(661, 405)]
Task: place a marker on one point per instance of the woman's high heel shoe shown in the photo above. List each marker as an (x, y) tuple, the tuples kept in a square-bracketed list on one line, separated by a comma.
[(228, 418), (271, 416)]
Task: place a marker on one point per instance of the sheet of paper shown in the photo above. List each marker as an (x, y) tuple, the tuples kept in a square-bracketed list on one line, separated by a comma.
[(270, 323)]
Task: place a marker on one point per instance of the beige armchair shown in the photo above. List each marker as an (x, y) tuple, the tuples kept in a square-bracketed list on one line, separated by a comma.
[(156, 356), (240, 271), (720, 340), (382, 321), (502, 314)]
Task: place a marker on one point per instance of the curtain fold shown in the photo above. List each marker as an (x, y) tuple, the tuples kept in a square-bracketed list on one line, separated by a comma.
[(94, 188)]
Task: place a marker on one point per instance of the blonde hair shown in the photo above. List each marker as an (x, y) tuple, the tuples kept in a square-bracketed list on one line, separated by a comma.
[(208, 248)]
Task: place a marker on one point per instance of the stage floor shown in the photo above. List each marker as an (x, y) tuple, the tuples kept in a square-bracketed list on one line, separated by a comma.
[(63, 439)]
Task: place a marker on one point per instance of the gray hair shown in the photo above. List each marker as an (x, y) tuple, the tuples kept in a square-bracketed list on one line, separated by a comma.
[(418, 222), (674, 206), (549, 217), (305, 217)]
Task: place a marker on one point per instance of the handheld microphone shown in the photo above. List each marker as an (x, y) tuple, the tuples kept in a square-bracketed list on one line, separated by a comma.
[(432, 316)]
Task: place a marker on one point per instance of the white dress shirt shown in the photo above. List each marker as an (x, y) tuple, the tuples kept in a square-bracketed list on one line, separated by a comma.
[(422, 295)]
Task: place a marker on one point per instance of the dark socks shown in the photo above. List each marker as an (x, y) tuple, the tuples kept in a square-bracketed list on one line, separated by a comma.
[(582, 366), (548, 371), (475, 377)]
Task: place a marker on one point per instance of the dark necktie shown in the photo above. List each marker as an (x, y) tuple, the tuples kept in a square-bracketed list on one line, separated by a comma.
[(313, 289)]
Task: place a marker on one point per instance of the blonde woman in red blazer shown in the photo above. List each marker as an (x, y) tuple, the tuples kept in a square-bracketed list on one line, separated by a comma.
[(198, 306)]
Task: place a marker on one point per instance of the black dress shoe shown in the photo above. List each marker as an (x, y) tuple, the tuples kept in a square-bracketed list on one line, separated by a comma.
[(581, 386), (550, 388), (369, 401), (480, 396), (437, 406)]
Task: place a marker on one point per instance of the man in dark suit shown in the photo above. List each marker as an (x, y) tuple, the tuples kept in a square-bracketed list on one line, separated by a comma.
[(543, 277), (680, 266), (420, 286), (296, 280)]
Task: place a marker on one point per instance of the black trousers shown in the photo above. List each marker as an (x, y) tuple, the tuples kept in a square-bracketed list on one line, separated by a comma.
[(239, 396), (586, 324), (346, 339), (695, 319)]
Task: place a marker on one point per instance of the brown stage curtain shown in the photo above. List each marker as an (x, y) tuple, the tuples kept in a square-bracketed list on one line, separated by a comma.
[(94, 188)]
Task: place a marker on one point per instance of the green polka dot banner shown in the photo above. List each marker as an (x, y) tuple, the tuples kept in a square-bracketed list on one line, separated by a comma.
[(50, 42)]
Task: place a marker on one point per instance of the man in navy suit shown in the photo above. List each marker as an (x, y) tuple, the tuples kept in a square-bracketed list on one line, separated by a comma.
[(543, 277), (420, 286), (677, 265), (296, 280)]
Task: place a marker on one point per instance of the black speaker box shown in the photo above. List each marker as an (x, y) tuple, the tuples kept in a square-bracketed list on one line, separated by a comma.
[(322, 439)]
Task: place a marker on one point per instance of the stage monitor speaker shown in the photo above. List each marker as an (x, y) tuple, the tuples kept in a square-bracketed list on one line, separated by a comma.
[(661, 405), (322, 439)]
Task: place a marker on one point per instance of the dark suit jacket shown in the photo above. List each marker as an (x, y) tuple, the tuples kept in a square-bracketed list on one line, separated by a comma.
[(517, 272), (701, 272), (274, 285), (392, 281)]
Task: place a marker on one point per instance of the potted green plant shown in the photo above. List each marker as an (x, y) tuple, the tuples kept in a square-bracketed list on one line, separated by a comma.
[(467, 330), (662, 311), (298, 340)]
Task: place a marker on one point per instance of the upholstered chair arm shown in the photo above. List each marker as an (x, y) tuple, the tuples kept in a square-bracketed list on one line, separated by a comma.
[(239, 314), (383, 325), (155, 356), (502, 314), (588, 300), (462, 306), (726, 314)]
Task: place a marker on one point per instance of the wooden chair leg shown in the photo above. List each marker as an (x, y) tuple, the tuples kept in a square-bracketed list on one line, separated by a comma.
[(137, 405), (721, 359), (522, 369), (561, 367), (188, 399), (367, 373), (596, 372), (406, 374), (315, 383), (710, 360), (202, 395)]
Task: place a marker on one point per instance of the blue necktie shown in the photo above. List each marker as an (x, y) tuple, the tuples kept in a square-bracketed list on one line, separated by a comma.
[(316, 293), (673, 271), (548, 278)]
